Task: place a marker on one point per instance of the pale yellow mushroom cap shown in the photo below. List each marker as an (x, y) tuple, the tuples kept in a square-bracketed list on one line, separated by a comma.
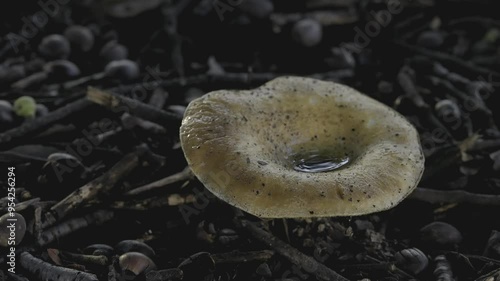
[(244, 147)]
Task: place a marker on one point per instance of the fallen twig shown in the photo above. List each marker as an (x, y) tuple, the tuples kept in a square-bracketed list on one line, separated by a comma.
[(296, 257), (454, 196), (119, 103), (165, 274), (183, 175), (242, 257), (46, 271), (13, 136), (154, 202), (99, 260), (72, 225), (489, 145), (97, 187), (472, 69), (405, 79)]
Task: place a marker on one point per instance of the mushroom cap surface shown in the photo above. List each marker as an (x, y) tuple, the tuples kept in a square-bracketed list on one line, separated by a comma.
[(243, 145)]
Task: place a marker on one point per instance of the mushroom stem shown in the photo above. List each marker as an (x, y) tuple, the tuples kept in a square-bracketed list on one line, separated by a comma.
[(454, 196), (296, 257), (183, 175)]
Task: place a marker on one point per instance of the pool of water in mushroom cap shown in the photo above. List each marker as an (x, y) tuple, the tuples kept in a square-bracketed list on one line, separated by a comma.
[(313, 142)]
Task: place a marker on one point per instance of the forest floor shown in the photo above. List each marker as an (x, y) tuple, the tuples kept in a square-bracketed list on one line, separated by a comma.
[(76, 159)]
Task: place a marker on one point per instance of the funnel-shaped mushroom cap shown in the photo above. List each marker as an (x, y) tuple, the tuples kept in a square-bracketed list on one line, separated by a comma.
[(300, 147)]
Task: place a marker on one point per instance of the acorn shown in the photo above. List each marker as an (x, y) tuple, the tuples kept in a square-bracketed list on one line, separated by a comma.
[(80, 37), (112, 51), (54, 46), (440, 236), (263, 270), (124, 70), (62, 69), (41, 110), (307, 32)]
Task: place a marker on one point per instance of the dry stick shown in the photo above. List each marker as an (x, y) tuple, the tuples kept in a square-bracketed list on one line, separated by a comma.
[(296, 257), (99, 260), (165, 274), (490, 276), (135, 107), (242, 257), (410, 89), (72, 225), (11, 137), (488, 22), (154, 202), (445, 58), (46, 271), (244, 78), (454, 196), (185, 174), (97, 187), (393, 268), (490, 145)]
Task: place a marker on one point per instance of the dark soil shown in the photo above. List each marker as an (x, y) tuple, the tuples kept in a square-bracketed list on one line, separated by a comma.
[(78, 158)]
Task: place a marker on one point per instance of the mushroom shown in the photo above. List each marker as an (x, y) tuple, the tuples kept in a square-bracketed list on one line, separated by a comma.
[(301, 147)]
